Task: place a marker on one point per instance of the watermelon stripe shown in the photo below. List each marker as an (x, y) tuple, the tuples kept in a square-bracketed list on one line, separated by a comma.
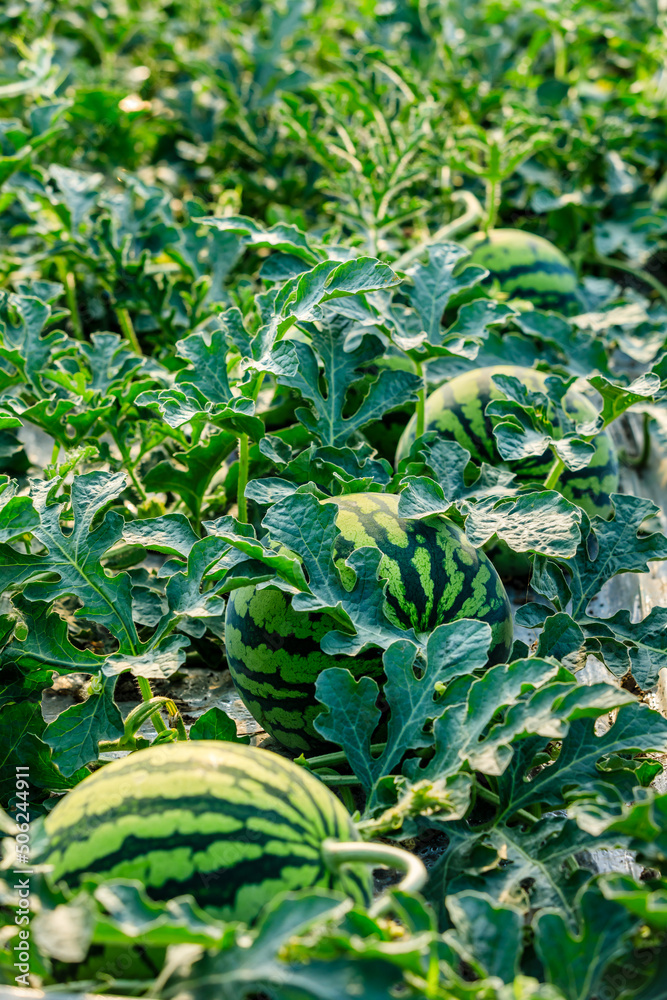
[(515, 271), (274, 676), (232, 783), (484, 446), (415, 600), (219, 893), (526, 266), (140, 849), (191, 806), (412, 604)]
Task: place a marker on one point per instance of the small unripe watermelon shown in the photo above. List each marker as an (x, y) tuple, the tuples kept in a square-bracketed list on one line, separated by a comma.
[(231, 825), (433, 576), (457, 412), (526, 267)]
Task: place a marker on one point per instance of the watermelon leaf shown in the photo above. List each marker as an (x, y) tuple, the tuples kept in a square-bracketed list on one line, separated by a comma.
[(576, 962), (306, 527), (581, 351), (470, 328), (75, 734), (45, 645), (287, 238), (296, 364), (490, 933), (541, 521), (623, 645), (448, 461), (17, 514), (636, 728), (352, 717), (649, 906), (189, 472), (530, 422), (74, 558), (239, 972), (606, 549), (639, 646), (434, 284), (532, 522), (563, 640), (616, 399), (169, 533), (162, 657), (538, 698), (179, 408), (22, 746), (216, 725)]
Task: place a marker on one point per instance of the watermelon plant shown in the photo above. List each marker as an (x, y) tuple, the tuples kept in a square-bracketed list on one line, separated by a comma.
[(316, 321), (433, 574), (459, 411)]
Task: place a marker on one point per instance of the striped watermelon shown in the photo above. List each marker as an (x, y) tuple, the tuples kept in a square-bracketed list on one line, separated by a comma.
[(526, 267), (456, 411), (434, 575), (230, 824)]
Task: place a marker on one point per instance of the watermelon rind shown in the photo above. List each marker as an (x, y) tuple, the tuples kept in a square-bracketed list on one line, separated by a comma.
[(528, 267)]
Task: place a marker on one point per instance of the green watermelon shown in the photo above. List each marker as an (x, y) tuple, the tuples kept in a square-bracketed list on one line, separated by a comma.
[(526, 267), (434, 575), (230, 824), (456, 411)]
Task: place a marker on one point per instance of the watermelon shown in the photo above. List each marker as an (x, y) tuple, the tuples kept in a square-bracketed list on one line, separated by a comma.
[(526, 267), (457, 411), (229, 824), (434, 575)]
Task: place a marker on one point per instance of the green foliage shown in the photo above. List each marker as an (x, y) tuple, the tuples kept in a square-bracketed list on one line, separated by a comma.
[(233, 265)]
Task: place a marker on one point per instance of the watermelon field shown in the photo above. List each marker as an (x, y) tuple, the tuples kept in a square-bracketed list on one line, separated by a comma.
[(333, 499)]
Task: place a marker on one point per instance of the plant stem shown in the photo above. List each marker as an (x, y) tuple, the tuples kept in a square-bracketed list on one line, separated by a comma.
[(337, 757), (180, 728), (486, 793), (257, 386), (336, 854), (107, 746), (421, 399), (555, 473), (69, 281), (560, 55), (643, 275), (643, 458), (125, 323), (244, 461), (147, 694), (244, 458), (473, 212), (492, 200), (338, 779), (127, 460)]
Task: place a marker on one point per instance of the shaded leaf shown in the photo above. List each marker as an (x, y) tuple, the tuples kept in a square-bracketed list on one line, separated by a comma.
[(75, 734), (216, 725), (576, 962), (491, 934)]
